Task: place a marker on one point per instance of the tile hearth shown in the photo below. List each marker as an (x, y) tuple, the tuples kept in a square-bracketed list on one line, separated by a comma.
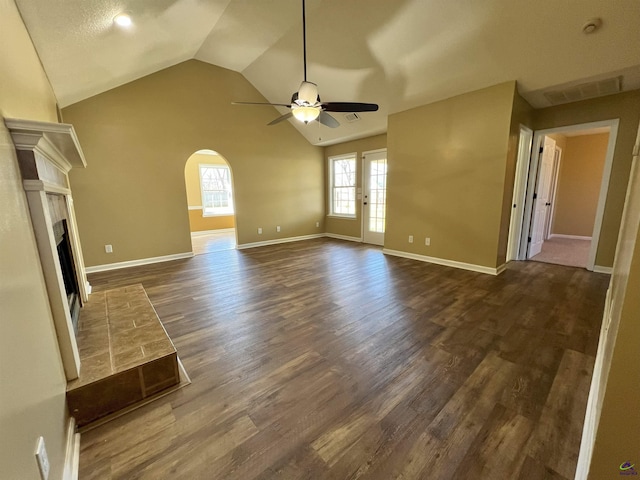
[(125, 354)]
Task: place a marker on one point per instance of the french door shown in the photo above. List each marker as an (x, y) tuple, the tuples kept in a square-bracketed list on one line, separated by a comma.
[(374, 201)]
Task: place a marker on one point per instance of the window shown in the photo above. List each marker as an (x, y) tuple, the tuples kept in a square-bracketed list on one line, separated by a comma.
[(342, 193), (217, 196)]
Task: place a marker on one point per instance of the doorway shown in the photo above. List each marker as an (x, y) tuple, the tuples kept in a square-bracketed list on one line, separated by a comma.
[(566, 193), (211, 205), (374, 202)]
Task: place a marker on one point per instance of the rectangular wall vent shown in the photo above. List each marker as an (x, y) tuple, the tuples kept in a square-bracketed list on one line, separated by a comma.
[(351, 117), (601, 88)]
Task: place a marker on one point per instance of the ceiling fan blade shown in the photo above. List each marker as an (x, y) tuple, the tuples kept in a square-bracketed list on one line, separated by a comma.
[(262, 103), (327, 120), (349, 107), (281, 119)]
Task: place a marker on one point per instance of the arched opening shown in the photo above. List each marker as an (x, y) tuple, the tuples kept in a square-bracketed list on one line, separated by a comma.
[(210, 199)]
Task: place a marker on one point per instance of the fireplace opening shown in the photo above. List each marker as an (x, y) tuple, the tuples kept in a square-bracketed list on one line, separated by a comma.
[(67, 265)]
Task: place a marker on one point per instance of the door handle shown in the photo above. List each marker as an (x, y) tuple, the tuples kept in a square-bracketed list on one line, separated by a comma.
[(365, 203)]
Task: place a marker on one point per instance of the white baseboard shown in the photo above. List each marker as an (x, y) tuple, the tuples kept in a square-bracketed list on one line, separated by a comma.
[(501, 269), (72, 452), (601, 269), (276, 241), (445, 262), (572, 237), (136, 263), (210, 232), (343, 237)]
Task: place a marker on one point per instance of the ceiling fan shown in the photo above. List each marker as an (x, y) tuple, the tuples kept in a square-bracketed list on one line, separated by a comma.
[(306, 105)]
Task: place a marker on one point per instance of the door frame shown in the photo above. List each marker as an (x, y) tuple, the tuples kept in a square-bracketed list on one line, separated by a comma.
[(604, 184), (364, 184), (517, 211)]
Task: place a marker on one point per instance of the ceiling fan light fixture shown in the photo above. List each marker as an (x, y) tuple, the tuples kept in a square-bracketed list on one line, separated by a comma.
[(305, 114), (306, 105)]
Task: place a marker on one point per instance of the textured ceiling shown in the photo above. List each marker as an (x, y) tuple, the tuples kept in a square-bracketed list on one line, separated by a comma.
[(397, 53)]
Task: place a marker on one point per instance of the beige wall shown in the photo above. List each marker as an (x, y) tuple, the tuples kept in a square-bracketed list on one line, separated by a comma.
[(142, 133), (32, 392), (198, 223), (447, 168), (626, 107), (347, 226), (579, 182)]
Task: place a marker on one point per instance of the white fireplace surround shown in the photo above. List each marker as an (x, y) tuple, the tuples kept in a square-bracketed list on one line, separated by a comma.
[(46, 152)]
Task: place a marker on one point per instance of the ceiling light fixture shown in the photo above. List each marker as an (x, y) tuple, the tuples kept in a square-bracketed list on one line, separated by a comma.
[(305, 114), (123, 20)]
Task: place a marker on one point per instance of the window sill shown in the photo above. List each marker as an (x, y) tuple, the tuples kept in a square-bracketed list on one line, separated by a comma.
[(218, 215), (343, 217)]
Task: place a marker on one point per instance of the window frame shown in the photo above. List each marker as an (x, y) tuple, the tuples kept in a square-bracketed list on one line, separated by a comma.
[(331, 169), (232, 211)]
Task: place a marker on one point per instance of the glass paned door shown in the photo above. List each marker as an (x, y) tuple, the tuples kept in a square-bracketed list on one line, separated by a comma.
[(375, 197)]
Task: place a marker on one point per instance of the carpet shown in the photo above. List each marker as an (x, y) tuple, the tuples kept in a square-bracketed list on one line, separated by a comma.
[(564, 251)]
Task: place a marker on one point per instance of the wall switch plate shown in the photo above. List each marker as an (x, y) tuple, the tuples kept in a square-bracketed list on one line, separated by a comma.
[(42, 459), (277, 228), (427, 241), (410, 238), (259, 230), (108, 248)]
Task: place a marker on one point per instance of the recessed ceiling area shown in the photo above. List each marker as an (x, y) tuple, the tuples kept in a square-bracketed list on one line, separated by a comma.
[(399, 54)]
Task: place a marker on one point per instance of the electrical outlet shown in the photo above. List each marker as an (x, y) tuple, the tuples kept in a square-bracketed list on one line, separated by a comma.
[(317, 224), (410, 238), (108, 248), (42, 459), (277, 228), (427, 241), (259, 230)]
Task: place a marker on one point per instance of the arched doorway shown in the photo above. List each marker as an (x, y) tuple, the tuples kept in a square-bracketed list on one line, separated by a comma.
[(210, 197)]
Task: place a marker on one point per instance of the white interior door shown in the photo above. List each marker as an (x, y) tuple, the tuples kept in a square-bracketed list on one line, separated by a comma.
[(374, 200), (541, 198), (553, 189), (519, 192)]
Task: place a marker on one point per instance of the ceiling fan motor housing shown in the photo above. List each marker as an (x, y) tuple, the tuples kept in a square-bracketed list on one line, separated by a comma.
[(307, 93)]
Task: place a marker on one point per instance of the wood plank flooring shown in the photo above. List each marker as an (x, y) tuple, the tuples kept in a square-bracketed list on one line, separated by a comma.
[(328, 360)]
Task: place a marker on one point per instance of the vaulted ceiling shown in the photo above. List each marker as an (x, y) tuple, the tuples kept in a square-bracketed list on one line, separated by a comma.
[(397, 53)]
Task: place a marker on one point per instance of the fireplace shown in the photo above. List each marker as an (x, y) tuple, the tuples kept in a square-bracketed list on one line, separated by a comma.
[(67, 265), (46, 153)]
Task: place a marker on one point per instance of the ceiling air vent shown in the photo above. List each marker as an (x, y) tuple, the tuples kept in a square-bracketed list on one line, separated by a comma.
[(351, 117), (584, 91)]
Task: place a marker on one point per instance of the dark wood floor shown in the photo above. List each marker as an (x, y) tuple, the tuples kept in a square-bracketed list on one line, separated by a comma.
[(328, 360)]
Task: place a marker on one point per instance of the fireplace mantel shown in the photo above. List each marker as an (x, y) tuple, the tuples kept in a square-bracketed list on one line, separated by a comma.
[(46, 153), (56, 141)]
